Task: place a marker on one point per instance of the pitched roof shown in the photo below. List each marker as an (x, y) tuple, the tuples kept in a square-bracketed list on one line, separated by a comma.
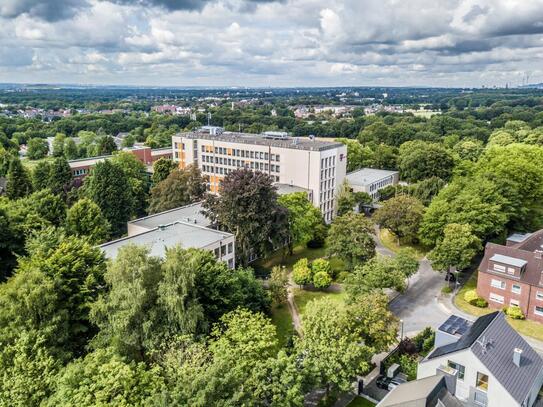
[(492, 341), (497, 356), (468, 338)]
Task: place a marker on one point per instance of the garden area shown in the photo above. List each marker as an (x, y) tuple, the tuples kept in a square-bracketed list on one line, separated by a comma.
[(390, 241), (466, 300)]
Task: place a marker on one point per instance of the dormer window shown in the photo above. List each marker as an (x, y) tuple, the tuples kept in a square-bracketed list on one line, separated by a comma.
[(507, 264)]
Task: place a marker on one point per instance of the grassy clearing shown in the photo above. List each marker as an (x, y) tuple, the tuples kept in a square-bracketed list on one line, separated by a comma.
[(524, 327), (360, 402), (302, 297), (283, 323), (390, 241)]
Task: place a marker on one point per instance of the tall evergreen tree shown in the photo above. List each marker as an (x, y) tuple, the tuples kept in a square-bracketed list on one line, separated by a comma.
[(108, 187), (41, 175), (60, 176), (18, 181)]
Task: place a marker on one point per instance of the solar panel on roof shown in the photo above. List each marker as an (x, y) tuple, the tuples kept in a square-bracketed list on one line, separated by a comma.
[(455, 325)]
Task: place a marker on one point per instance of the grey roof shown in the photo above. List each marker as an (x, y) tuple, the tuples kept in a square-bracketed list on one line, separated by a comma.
[(497, 356), (467, 339), (177, 234), (512, 261), (519, 237), (412, 391), (190, 213), (496, 353), (455, 325), (284, 189), (297, 143), (366, 176)]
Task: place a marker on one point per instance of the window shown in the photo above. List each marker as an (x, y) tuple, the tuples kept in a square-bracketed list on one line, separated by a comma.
[(514, 303), (231, 263), (459, 368), (538, 310), (223, 250), (482, 381), (499, 267), (230, 248), (516, 288), (217, 253), (498, 284), (510, 270), (539, 295), (496, 298)]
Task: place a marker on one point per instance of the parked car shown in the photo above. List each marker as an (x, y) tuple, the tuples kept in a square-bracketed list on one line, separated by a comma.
[(393, 383), (450, 277), (383, 382)]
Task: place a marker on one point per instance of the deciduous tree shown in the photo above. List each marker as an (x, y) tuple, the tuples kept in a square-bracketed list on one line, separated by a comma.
[(401, 215), (85, 219), (303, 217)]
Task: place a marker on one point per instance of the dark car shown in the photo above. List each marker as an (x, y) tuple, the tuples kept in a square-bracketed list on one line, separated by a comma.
[(383, 382), (393, 383), (450, 277)]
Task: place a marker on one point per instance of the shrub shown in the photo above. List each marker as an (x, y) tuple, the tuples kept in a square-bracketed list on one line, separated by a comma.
[(408, 365), (428, 343), (471, 296), (446, 290), (322, 280), (422, 336), (301, 273), (321, 265), (514, 312), (408, 346), (342, 276), (480, 303)]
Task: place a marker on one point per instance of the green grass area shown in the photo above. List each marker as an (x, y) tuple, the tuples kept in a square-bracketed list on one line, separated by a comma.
[(524, 327), (283, 322), (360, 402), (282, 258), (31, 164), (302, 297), (390, 241)]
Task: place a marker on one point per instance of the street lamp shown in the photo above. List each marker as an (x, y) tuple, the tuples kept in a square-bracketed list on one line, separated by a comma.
[(401, 330)]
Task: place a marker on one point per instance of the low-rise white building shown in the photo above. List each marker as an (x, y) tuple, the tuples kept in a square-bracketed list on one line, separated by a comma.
[(371, 180), (185, 226)]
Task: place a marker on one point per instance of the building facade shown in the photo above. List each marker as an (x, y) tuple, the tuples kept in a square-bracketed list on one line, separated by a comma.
[(371, 180), (316, 166), (512, 274)]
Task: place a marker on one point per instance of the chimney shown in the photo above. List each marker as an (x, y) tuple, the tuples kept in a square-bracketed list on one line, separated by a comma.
[(517, 355)]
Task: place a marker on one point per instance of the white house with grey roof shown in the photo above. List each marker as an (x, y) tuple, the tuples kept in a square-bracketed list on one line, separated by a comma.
[(487, 364), (371, 180), (186, 227)]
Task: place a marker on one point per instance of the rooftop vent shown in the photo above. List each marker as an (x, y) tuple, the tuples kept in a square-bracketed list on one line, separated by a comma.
[(277, 135), (517, 356)]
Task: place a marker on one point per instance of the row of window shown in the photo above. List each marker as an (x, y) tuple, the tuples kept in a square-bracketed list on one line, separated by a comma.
[(80, 172), (515, 288), (240, 163), (259, 155), (502, 269), (331, 183), (223, 250), (538, 310), (328, 162), (225, 171), (381, 184), (328, 173)]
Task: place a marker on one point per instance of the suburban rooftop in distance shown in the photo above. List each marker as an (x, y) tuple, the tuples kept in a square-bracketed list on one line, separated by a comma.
[(298, 143)]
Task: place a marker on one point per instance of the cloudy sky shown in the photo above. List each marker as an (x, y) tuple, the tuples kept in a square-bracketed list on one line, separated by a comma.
[(272, 42)]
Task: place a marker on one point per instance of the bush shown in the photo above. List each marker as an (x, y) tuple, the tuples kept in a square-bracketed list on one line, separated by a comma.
[(408, 346), (514, 312), (322, 280), (319, 237), (301, 273), (321, 265), (408, 365), (422, 336), (480, 303), (428, 344), (446, 290), (470, 296), (342, 276)]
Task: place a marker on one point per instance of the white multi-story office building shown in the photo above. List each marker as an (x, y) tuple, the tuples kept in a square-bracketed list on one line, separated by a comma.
[(315, 165)]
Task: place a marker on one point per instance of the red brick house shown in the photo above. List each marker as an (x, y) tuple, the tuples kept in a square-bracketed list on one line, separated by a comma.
[(512, 275)]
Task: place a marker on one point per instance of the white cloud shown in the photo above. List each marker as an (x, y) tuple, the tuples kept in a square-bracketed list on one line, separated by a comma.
[(289, 42)]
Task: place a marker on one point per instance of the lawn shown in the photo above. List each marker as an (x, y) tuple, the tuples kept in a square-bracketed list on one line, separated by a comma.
[(263, 266), (283, 322), (360, 402), (302, 297), (525, 327), (390, 241)]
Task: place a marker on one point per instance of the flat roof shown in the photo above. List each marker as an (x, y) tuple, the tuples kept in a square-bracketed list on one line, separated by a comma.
[(296, 143), (88, 161), (190, 214), (366, 176), (159, 239), (511, 261), (411, 391), (519, 237), (285, 189)]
